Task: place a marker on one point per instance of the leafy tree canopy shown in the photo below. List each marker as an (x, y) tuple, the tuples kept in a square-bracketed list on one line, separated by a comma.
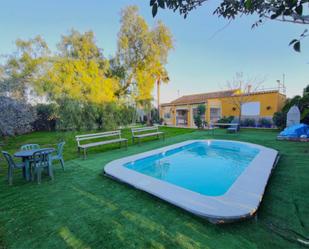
[(80, 71), (142, 53), (24, 66), (293, 11), (77, 70)]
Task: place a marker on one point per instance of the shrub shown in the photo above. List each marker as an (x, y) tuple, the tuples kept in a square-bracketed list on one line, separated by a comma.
[(198, 121), (155, 115), (264, 122), (248, 122), (279, 119), (127, 114), (70, 115), (198, 117), (46, 117), (225, 120), (110, 118), (15, 117), (78, 115)]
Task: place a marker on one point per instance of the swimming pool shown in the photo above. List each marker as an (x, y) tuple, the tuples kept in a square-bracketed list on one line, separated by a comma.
[(216, 179)]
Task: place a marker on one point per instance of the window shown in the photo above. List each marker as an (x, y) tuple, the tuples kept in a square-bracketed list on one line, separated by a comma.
[(167, 115), (251, 109), (215, 114)]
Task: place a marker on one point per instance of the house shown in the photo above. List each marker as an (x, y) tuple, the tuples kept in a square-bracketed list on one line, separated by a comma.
[(253, 105)]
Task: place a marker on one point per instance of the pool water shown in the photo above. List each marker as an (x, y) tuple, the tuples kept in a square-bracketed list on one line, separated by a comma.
[(206, 167)]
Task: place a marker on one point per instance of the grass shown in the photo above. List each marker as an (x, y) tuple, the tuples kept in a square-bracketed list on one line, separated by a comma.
[(84, 209), (50, 139)]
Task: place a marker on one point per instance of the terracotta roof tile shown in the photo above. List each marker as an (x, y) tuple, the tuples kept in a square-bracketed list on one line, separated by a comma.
[(201, 98)]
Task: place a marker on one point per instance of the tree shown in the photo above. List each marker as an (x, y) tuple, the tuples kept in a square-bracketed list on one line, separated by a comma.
[(161, 76), (302, 102), (163, 39), (291, 11), (24, 67), (306, 90), (242, 89), (80, 72), (198, 117), (142, 54)]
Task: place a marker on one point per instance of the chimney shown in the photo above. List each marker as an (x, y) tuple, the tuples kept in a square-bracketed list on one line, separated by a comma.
[(249, 88)]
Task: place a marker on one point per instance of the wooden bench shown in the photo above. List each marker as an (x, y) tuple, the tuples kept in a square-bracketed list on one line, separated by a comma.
[(116, 135), (138, 133)]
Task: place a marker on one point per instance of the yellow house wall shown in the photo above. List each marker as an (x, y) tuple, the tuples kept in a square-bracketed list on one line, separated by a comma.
[(281, 101), (274, 100), (171, 110), (174, 115), (189, 115), (212, 103)]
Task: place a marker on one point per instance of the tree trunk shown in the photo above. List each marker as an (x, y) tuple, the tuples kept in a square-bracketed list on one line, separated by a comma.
[(158, 96), (158, 93)]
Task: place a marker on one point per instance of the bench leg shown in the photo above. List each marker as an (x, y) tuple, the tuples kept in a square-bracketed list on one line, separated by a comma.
[(78, 150), (139, 142)]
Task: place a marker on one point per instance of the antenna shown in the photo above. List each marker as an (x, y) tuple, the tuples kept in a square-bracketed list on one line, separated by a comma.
[(283, 83)]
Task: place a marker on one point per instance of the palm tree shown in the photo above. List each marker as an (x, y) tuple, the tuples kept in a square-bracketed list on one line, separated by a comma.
[(161, 76)]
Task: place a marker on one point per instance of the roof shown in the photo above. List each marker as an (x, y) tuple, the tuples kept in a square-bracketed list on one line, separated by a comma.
[(203, 97)]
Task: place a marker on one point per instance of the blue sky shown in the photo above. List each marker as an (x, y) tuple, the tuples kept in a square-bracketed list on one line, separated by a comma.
[(200, 62)]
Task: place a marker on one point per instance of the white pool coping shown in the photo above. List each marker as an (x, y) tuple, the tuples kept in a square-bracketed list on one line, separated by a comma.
[(240, 201)]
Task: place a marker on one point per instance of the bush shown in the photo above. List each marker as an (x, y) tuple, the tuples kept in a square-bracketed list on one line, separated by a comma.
[(248, 122), (155, 115), (198, 120), (75, 115), (15, 117), (264, 122), (70, 115), (46, 117), (279, 119), (225, 120)]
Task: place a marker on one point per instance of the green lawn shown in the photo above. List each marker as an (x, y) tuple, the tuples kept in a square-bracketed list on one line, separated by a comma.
[(84, 209), (50, 139)]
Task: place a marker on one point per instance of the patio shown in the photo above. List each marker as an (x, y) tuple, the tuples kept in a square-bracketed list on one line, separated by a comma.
[(83, 209)]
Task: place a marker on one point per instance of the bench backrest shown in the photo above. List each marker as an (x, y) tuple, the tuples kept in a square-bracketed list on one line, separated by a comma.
[(144, 129), (97, 135)]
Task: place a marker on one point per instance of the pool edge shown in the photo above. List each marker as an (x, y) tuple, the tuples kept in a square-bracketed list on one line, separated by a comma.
[(247, 211)]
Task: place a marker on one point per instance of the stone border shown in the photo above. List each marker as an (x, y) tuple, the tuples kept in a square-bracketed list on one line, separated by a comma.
[(240, 201), (293, 139)]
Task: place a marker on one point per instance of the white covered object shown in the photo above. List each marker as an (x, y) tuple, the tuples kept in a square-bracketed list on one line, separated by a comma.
[(293, 116)]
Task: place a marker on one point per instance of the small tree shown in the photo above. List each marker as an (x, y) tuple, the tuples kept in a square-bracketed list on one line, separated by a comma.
[(242, 89), (198, 121)]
